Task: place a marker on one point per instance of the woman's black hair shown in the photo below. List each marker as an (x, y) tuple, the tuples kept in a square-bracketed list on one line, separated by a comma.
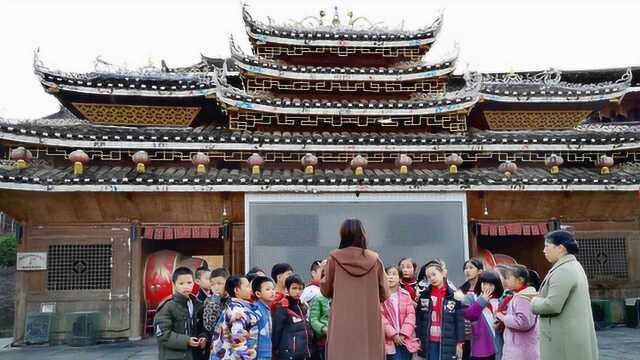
[(477, 263), (352, 234), (534, 279), (564, 238), (490, 277), (232, 283)]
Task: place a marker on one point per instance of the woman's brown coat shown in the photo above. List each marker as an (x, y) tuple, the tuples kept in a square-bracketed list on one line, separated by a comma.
[(357, 284)]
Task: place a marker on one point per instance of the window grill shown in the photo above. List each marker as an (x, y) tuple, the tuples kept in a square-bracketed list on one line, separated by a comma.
[(604, 258), (79, 267)]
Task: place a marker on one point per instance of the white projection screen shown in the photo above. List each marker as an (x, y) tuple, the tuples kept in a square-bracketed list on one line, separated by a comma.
[(300, 228)]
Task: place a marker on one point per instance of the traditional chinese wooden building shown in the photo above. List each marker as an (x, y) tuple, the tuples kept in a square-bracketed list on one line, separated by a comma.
[(257, 157)]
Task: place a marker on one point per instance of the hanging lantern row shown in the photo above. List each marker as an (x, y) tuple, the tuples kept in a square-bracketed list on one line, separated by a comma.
[(141, 159)]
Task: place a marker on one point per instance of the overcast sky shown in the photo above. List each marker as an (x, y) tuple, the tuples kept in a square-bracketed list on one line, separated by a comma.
[(494, 35)]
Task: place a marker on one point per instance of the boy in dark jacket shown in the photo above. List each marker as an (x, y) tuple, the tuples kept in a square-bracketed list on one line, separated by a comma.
[(176, 323), (439, 317), (202, 279), (291, 336)]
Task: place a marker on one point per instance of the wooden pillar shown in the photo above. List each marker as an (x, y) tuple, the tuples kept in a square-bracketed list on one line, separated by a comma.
[(20, 314), (237, 254), (136, 322), (225, 234), (473, 240)]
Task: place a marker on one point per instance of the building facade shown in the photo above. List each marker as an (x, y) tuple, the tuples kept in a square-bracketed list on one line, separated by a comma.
[(257, 158)]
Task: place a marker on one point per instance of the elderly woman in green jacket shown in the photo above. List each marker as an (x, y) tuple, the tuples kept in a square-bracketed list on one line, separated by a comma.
[(563, 303)]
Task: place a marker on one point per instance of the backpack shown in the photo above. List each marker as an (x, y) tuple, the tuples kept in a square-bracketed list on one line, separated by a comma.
[(213, 308)]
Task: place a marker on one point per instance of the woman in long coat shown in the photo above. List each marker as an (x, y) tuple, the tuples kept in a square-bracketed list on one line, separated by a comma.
[(566, 321), (356, 281)]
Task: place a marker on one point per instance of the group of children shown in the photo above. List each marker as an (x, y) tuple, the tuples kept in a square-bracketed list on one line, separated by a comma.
[(254, 316)]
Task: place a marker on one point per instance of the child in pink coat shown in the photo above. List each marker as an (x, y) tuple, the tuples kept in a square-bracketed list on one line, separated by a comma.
[(399, 319), (520, 324)]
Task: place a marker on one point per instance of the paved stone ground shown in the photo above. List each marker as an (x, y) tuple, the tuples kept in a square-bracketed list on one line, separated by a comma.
[(615, 344)]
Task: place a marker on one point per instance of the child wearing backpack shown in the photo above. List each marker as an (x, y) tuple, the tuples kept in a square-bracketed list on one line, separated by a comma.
[(291, 336)]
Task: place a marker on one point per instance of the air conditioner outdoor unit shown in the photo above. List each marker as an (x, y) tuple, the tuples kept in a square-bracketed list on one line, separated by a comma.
[(38, 327), (82, 328)]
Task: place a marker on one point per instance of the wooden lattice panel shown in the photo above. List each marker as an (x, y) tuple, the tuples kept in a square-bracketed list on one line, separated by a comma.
[(274, 51), (247, 120), (116, 114), (432, 86), (604, 258), (79, 267), (513, 120)]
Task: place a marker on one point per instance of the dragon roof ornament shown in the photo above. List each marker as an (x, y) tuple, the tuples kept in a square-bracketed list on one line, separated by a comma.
[(354, 24), (551, 78), (103, 68)]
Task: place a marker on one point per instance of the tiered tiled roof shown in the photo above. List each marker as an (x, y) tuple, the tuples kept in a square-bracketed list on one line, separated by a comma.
[(196, 127)]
